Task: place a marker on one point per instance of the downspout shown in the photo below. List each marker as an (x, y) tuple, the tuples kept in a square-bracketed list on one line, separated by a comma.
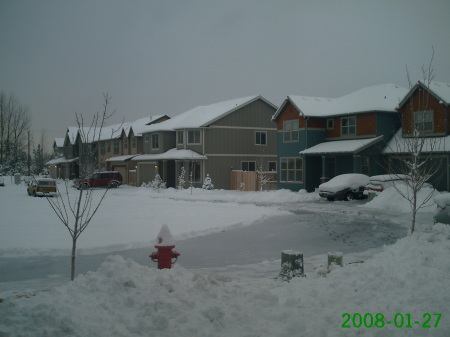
[(306, 146)]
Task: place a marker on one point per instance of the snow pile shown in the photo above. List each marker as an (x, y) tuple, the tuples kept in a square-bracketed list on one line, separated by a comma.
[(391, 200), (124, 298)]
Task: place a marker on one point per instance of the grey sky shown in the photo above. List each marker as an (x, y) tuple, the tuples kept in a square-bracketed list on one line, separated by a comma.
[(166, 57)]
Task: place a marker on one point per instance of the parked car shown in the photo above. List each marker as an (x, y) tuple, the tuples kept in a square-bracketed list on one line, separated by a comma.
[(344, 187), (40, 187), (442, 211), (379, 183), (2, 181), (110, 179)]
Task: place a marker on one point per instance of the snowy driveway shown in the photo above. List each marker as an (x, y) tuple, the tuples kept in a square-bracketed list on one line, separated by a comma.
[(338, 226)]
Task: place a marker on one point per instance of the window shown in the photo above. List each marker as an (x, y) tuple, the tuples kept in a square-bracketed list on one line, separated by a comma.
[(272, 166), (116, 146), (147, 138), (155, 141), (102, 148), (348, 126), (133, 142), (194, 173), (291, 170), (423, 121), (194, 137), (330, 124), (290, 131), (261, 138), (248, 166), (125, 143), (180, 137), (365, 167)]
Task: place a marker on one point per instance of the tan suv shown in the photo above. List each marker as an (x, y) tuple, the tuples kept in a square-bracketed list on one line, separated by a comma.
[(42, 187)]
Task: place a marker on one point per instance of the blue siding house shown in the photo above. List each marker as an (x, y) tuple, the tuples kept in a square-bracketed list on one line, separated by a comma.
[(319, 138)]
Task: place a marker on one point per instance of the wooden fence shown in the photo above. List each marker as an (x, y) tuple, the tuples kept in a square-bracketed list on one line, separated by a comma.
[(252, 181)]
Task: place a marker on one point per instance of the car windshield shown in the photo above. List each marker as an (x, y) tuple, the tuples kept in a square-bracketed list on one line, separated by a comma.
[(46, 183)]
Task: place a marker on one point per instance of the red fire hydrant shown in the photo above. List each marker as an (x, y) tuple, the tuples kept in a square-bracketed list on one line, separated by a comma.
[(165, 254)]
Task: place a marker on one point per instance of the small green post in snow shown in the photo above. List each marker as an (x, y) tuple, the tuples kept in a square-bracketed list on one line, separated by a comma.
[(291, 265), (335, 259)]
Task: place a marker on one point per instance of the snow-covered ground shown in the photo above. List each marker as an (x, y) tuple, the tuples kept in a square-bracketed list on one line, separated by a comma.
[(409, 279)]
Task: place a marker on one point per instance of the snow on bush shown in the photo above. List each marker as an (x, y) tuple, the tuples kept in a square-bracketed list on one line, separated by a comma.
[(123, 298)]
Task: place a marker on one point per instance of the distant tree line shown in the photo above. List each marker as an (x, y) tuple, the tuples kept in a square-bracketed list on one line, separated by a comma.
[(15, 124)]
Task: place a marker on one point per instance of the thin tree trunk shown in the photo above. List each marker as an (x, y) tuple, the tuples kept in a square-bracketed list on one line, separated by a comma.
[(72, 266)]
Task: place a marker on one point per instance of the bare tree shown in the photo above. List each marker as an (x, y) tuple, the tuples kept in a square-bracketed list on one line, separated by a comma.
[(413, 160), (14, 123), (77, 213)]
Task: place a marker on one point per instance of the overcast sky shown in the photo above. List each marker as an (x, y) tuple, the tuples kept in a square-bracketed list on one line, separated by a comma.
[(166, 57)]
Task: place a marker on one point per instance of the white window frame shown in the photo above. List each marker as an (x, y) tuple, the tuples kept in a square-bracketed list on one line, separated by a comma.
[(248, 165), (155, 144), (194, 141), (348, 128), (290, 131), (291, 169), (180, 136), (261, 140), (330, 124), (424, 121)]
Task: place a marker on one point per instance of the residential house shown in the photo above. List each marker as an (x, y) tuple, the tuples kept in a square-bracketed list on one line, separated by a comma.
[(319, 138), (215, 139), (425, 114), (116, 153)]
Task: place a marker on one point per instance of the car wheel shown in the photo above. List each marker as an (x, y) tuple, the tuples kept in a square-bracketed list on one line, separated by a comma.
[(349, 196), (113, 184), (84, 186), (34, 194)]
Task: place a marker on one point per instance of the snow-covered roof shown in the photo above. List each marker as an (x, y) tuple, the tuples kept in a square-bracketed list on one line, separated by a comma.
[(61, 160), (122, 158), (399, 144), (342, 146), (438, 89), (59, 142), (202, 115), (184, 154), (141, 124), (383, 97)]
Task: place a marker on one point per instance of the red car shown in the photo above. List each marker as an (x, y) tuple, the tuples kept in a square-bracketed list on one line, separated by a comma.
[(110, 179)]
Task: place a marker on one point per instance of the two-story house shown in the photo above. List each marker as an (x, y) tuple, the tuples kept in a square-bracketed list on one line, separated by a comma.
[(425, 116), (214, 139), (118, 151), (319, 138)]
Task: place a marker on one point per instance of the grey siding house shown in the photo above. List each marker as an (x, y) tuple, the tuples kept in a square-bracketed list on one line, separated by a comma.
[(211, 140)]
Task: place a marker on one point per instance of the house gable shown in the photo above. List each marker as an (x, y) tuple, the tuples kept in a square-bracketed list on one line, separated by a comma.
[(421, 99)]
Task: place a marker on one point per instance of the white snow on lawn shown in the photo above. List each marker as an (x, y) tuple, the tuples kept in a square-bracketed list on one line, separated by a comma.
[(129, 217), (410, 278), (123, 298)]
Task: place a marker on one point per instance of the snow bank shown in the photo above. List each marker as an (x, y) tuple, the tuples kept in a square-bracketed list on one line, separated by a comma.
[(123, 298), (391, 200)]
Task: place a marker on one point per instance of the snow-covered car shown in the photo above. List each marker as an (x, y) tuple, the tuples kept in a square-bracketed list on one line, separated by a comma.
[(379, 183), (40, 187), (344, 187), (442, 211), (2, 181)]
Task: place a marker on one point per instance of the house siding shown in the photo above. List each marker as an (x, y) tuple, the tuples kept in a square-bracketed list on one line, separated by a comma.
[(421, 100)]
